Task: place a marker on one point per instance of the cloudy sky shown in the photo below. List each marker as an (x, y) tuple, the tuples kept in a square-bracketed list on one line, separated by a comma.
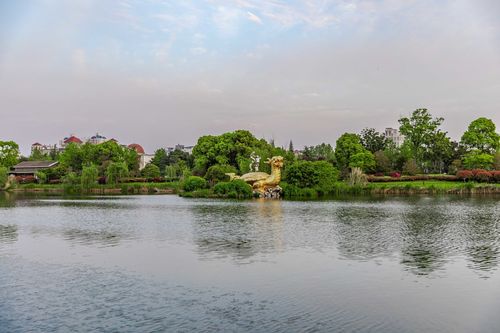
[(165, 72)]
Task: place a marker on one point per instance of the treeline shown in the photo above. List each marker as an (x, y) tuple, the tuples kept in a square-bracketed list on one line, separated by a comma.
[(426, 150)]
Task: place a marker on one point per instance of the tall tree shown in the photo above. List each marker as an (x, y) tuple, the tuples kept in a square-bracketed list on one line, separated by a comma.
[(9, 153), (321, 152), (290, 146), (481, 135), (419, 130), (346, 147), (373, 140)]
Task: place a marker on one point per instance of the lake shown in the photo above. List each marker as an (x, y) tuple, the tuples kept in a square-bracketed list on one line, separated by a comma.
[(165, 263)]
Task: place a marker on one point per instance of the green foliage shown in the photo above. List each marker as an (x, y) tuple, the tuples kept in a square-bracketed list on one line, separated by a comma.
[(217, 173), (477, 160), (41, 177), (37, 155), (89, 176), (347, 146), (321, 152), (363, 160), (193, 183), (420, 130), (319, 175), (9, 153), (71, 179), (233, 189), (115, 172), (372, 140), (151, 171), (229, 149), (55, 173), (411, 168), (76, 156), (382, 162), (481, 135), (4, 175), (290, 147), (455, 165), (496, 161)]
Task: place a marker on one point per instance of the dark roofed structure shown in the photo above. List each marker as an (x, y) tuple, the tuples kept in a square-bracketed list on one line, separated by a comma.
[(31, 167)]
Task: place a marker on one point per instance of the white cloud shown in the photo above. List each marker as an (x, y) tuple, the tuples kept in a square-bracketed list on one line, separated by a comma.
[(198, 50)]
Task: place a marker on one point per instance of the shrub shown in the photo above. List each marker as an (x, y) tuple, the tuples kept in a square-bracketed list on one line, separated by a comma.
[(474, 160), (495, 176), (4, 175), (320, 175), (217, 173), (70, 180), (193, 183), (363, 160), (482, 176), (41, 177), (454, 167), (465, 175), (395, 174), (25, 179), (234, 189)]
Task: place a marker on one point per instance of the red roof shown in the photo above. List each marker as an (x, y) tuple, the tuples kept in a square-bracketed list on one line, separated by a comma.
[(72, 139), (36, 144), (137, 147)]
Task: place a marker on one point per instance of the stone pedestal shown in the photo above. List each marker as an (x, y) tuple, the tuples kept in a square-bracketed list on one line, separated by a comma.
[(272, 193)]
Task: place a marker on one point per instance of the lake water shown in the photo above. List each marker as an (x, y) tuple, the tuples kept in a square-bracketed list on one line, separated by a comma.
[(164, 263)]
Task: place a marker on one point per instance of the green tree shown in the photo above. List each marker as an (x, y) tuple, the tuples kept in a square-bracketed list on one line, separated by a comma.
[(477, 160), (321, 152), (411, 168), (4, 175), (373, 140), (419, 131), (41, 177), (37, 155), (363, 160), (217, 173), (9, 153), (290, 146), (382, 162), (160, 160), (90, 173), (151, 171), (115, 172), (438, 153), (481, 135), (347, 146)]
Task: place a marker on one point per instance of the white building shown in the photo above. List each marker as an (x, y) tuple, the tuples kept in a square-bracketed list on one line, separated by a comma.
[(144, 158), (394, 135), (186, 149)]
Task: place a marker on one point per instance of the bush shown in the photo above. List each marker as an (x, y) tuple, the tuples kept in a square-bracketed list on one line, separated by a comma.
[(483, 176), (193, 183), (495, 176), (320, 175), (465, 175), (478, 160), (41, 177), (217, 173), (115, 172), (25, 179), (4, 175), (233, 189), (395, 174)]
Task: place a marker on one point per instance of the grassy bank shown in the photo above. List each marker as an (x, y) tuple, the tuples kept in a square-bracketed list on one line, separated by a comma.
[(123, 188)]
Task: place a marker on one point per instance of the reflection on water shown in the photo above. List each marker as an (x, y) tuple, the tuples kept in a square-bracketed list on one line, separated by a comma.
[(156, 263)]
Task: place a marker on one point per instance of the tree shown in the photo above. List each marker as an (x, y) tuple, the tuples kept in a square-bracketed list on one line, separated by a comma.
[(382, 162), (347, 146), (37, 155), (363, 160), (419, 131), (9, 153), (151, 171), (217, 173), (321, 152), (89, 176), (115, 172), (438, 152), (481, 135), (160, 159), (373, 140), (290, 146), (477, 160), (410, 167), (4, 175)]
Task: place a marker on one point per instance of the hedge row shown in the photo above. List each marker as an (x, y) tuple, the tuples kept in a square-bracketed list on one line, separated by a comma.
[(479, 175), (376, 179)]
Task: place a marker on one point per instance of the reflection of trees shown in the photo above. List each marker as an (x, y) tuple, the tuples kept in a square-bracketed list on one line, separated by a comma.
[(237, 229), (482, 236), (87, 237), (426, 242), (7, 199), (365, 232), (8, 233)]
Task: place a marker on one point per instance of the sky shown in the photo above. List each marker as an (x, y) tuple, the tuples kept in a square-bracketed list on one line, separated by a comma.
[(160, 73)]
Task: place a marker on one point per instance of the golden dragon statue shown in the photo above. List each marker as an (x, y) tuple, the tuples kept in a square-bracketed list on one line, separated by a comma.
[(261, 181)]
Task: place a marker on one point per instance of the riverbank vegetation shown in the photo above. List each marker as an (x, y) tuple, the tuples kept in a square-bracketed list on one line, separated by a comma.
[(427, 161)]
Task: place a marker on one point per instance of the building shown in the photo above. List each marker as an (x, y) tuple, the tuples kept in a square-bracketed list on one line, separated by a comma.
[(394, 135), (144, 158), (186, 149), (67, 140), (97, 139), (30, 168), (44, 149)]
